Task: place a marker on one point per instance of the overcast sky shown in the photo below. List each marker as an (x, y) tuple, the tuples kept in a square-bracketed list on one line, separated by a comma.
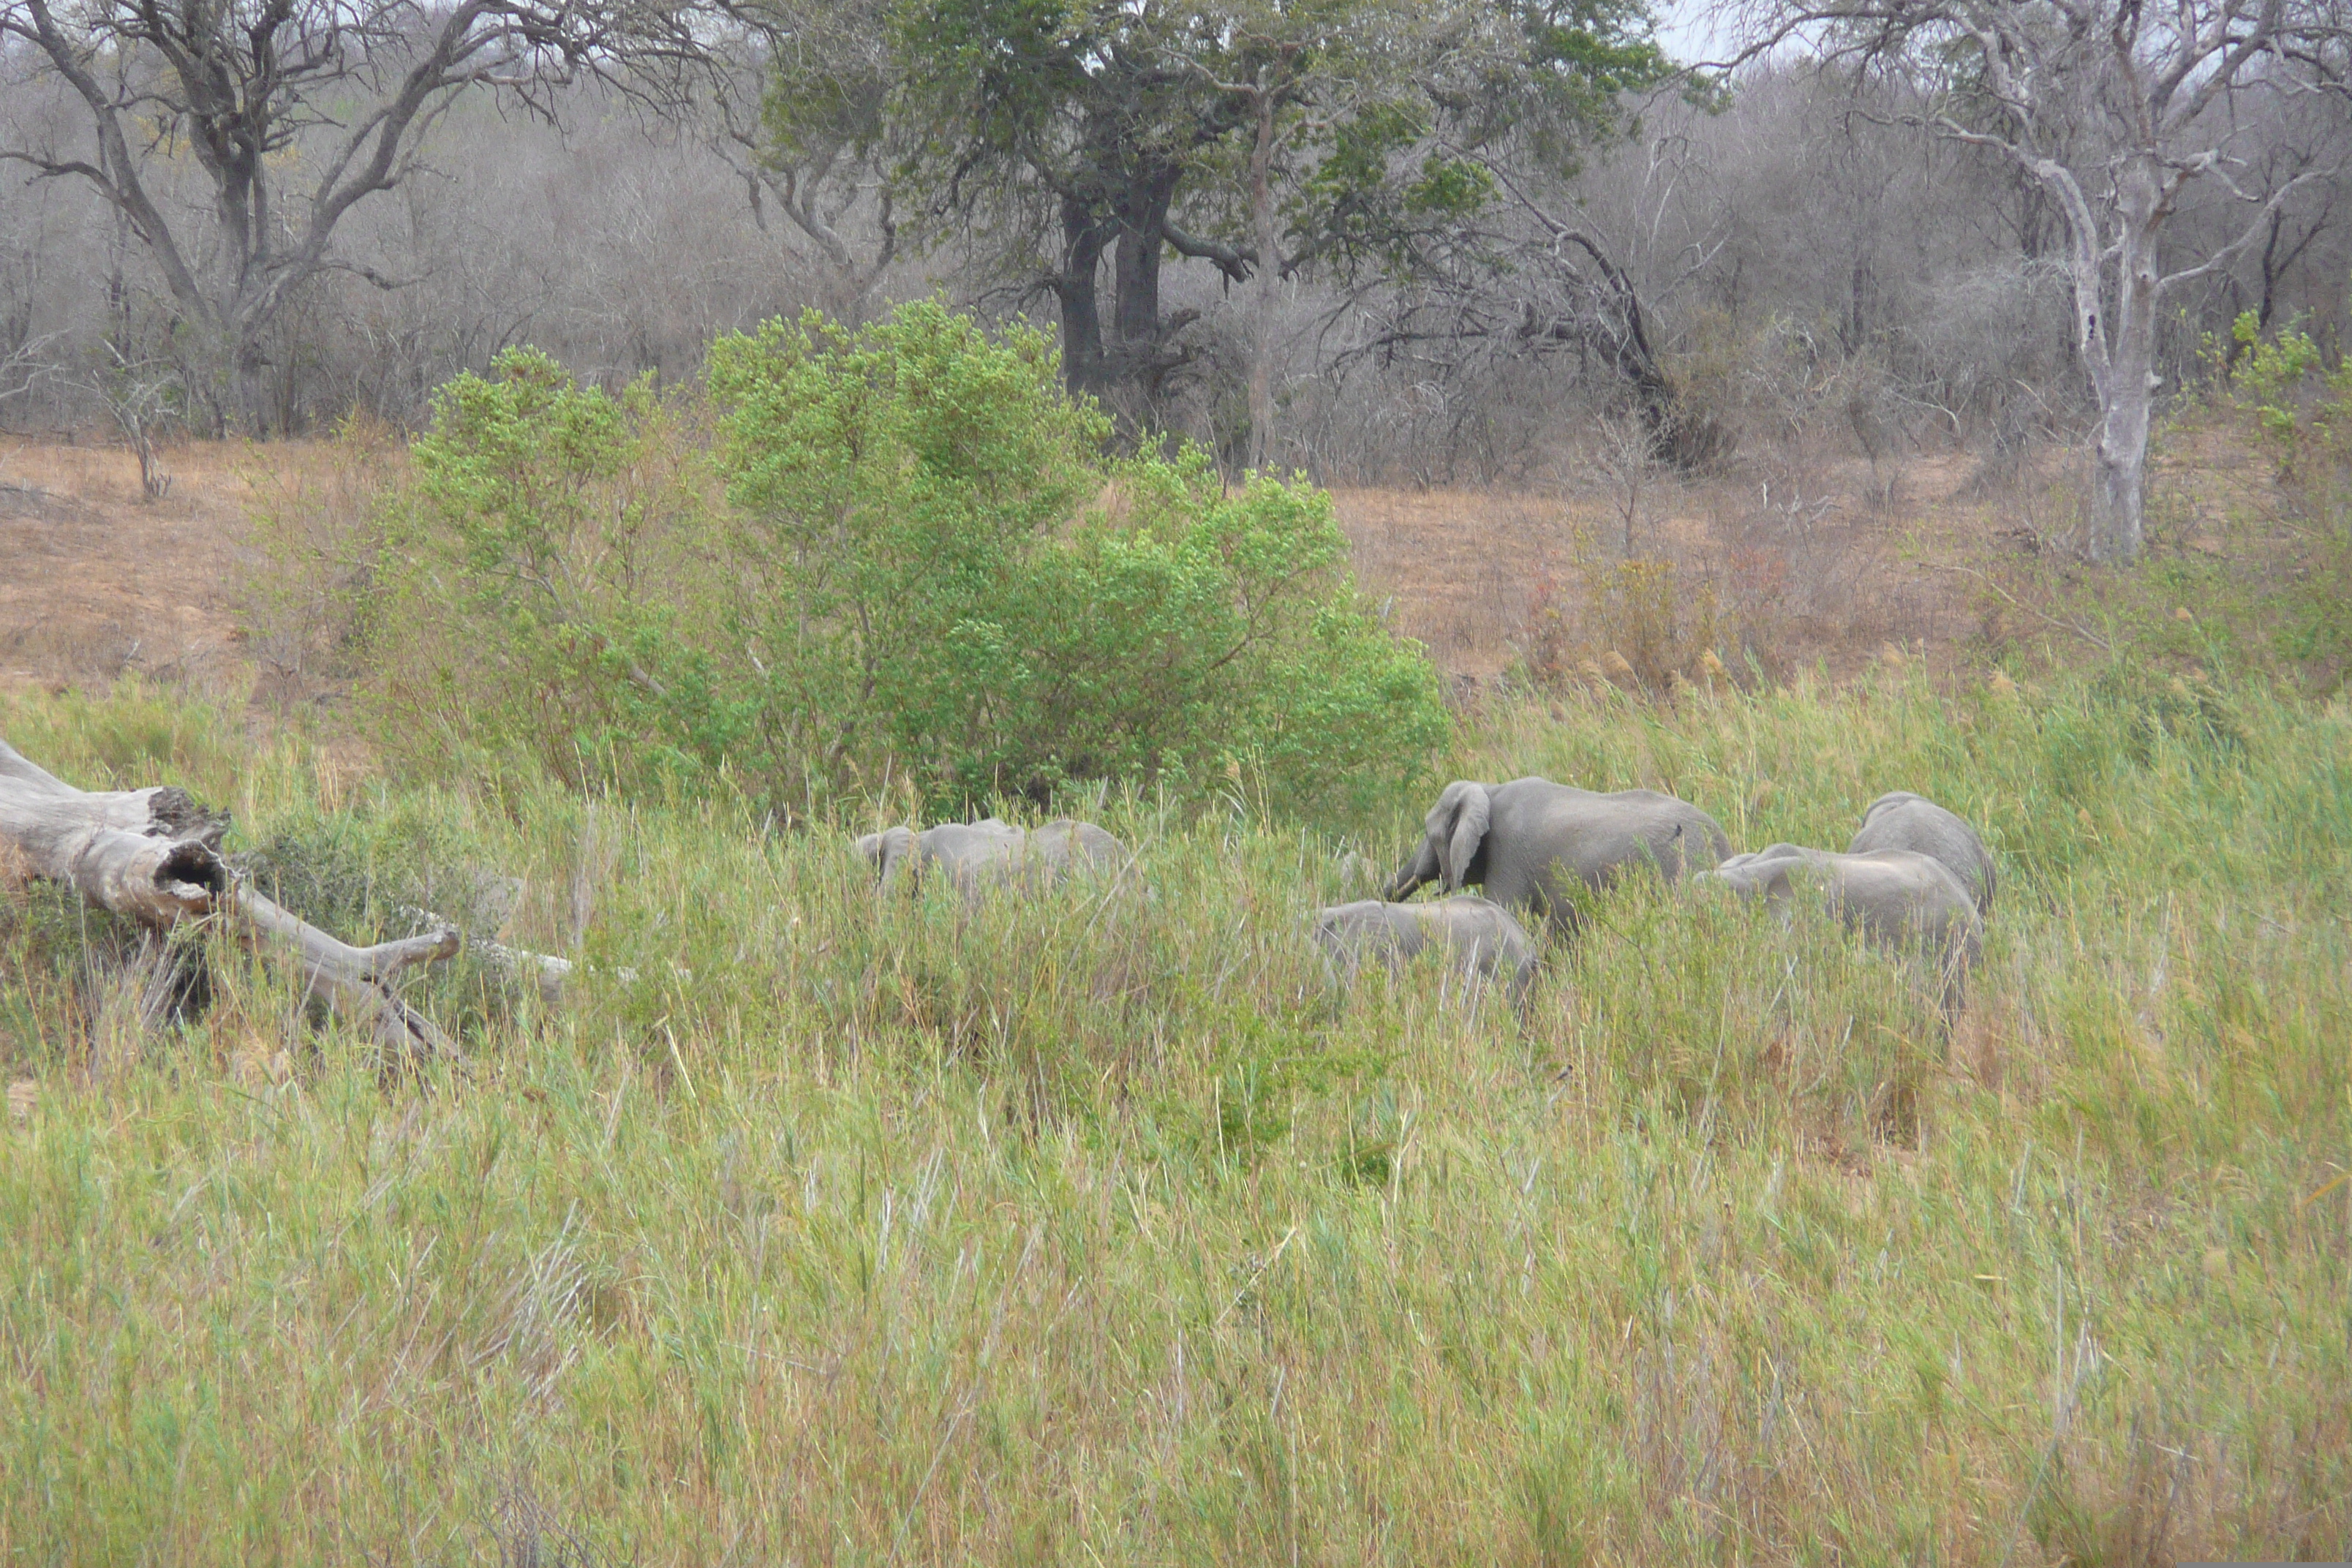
[(1692, 29)]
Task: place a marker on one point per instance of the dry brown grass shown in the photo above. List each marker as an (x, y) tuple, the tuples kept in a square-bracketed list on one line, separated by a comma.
[(1825, 561), (96, 580), (1807, 561)]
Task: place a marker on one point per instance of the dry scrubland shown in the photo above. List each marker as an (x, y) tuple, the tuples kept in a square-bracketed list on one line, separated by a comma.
[(1814, 560), (1095, 1230), (1823, 559)]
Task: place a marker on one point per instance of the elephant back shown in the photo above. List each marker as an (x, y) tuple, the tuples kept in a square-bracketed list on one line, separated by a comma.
[(1067, 843), (1482, 928), (1597, 837), (1895, 897), (1902, 898), (1901, 820)]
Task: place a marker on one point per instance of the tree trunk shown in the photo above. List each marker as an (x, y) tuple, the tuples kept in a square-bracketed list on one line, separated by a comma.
[(2128, 390), (153, 856), (1084, 370), (2117, 501), (1143, 237), (1269, 284)]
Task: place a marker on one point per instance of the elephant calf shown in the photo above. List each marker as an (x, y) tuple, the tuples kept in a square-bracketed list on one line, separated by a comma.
[(980, 857), (1479, 938), (1906, 821), (1895, 897), (1527, 841)]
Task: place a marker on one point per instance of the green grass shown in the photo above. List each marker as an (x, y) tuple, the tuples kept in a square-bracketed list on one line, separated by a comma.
[(1093, 1230)]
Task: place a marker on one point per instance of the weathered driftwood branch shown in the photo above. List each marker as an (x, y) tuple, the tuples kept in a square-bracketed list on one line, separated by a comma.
[(544, 971), (153, 856)]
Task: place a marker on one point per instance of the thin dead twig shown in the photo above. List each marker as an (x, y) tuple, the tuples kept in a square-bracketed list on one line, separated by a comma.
[(2073, 627)]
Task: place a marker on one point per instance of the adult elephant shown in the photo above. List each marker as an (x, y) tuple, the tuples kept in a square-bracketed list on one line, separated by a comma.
[(1478, 936), (1901, 820), (1897, 898), (1527, 842), (978, 857)]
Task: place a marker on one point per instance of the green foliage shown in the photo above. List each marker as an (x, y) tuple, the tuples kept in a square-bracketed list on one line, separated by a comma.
[(1581, 56), (1012, 118), (951, 583), (891, 485), (923, 571), (537, 580), (2268, 381)]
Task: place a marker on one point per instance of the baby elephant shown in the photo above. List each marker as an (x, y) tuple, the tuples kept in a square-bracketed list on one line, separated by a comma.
[(1478, 935), (980, 857), (1895, 896), (1906, 821)]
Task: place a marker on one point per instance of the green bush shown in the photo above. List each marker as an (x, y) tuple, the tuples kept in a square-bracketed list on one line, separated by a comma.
[(540, 580), (953, 581), (923, 572)]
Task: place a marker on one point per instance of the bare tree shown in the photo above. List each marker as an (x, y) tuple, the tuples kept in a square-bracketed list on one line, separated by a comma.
[(141, 395), (243, 86), (2115, 108), (818, 166), (1529, 282)]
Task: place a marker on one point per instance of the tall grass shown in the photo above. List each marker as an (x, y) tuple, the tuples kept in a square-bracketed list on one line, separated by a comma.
[(1095, 1228)]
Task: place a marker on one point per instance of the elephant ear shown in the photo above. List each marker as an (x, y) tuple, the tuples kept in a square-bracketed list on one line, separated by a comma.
[(892, 851), (1468, 831)]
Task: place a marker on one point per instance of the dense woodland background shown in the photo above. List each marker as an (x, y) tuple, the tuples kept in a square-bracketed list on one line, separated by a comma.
[(1804, 261)]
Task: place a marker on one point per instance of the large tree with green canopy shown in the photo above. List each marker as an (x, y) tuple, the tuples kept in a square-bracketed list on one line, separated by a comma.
[(1076, 147)]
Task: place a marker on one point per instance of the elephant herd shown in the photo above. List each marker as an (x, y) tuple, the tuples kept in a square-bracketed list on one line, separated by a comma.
[(1914, 876)]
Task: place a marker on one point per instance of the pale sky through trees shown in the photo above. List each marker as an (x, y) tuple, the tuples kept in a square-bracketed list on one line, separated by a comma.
[(1693, 30)]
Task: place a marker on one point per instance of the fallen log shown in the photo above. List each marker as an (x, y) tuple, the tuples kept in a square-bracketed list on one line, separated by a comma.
[(544, 973), (153, 856)]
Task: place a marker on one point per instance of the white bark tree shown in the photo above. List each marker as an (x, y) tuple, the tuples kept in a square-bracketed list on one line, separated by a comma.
[(2115, 108), (295, 111)]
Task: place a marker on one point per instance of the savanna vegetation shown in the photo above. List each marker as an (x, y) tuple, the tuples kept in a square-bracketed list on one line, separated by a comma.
[(1094, 1224), (756, 424), (1093, 1227)]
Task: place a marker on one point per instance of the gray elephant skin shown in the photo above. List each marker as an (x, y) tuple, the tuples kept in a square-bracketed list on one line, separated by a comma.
[(1526, 842), (978, 857), (1478, 936), (1897, 898), (1906, 821)]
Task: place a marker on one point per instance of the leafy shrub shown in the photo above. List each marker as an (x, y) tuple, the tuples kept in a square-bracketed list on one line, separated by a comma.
[(539, 581), (2304, 411), (923, 572), (954, 583)]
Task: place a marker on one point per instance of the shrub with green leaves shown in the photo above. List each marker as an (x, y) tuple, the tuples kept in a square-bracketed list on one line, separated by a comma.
[(2303, 409), (924, 571), (541, 582)]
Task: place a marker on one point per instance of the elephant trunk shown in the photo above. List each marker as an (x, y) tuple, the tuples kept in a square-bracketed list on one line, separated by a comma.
[(1411, 876)]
